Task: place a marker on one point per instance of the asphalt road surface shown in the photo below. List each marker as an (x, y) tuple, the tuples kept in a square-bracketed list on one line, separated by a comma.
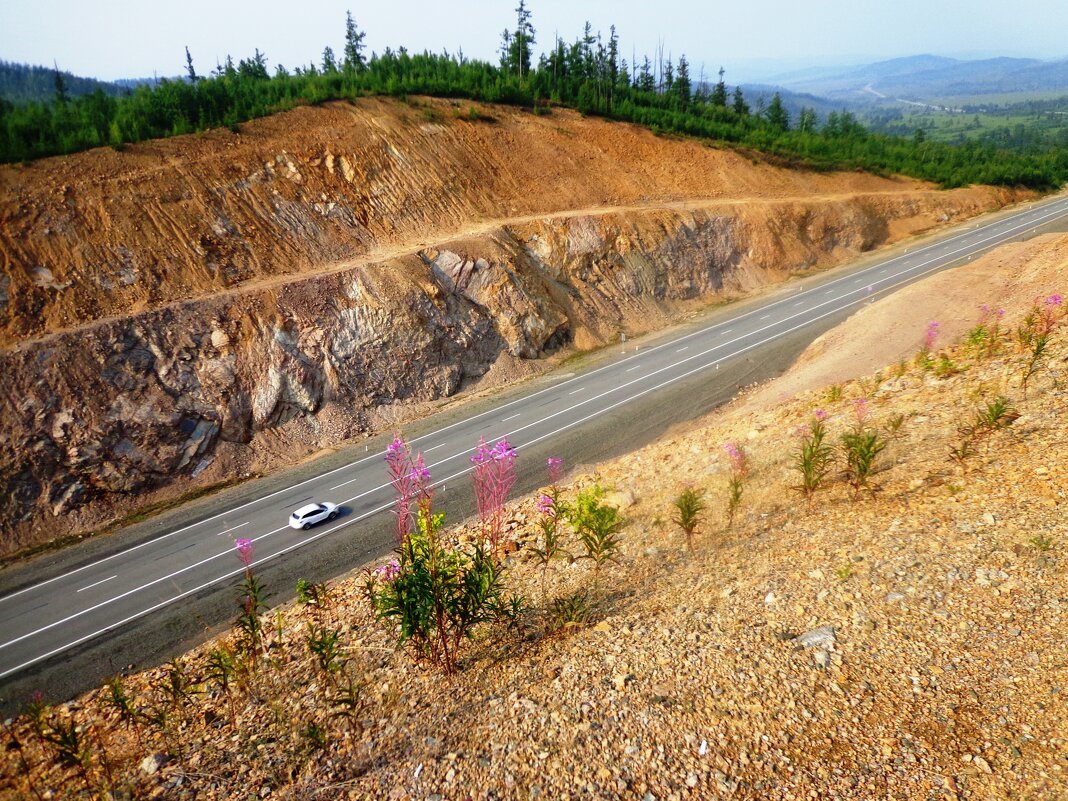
[(69, 620)]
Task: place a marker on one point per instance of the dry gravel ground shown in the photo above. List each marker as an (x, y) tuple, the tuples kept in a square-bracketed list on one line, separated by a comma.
[(909, 644)]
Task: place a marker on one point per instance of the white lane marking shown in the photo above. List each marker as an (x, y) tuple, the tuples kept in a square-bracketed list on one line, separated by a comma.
[(96, 583), (235, 528), (632, 369), (513, 417), (572, 424), (576, 391), (684, 347), (727, 331), (428, 450), (765, 317), (934, 246), (799, 303)]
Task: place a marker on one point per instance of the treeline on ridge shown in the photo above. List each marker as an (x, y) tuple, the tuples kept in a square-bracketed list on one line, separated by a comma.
[(588, 74)]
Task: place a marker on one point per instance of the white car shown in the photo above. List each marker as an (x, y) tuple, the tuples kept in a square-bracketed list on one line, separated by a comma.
[(307, 516)]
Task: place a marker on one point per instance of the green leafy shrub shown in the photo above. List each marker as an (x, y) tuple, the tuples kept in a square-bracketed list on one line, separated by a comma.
[(439, 594)]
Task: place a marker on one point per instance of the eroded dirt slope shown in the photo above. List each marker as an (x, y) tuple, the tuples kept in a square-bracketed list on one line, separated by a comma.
[(196, 308)]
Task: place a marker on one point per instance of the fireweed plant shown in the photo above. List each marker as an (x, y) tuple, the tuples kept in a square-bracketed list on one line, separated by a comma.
[(924, 358), (493, 476), (71, 746), (399, 467), (549, 513), (814, 455), (739, 470), (860, 446), (597, 524), (251, 602), (995, 415), (984, 337), (220, 669), (119, 701), (435, 595), (689, 506), (1035, 332)]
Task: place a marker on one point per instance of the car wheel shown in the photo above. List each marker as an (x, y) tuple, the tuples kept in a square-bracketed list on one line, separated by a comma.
[(306, 526), (333, 515)]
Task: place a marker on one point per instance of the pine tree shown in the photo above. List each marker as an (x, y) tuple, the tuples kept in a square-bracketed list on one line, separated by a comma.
[(777, 114), (329, 63), (806, 120), (644, 81), (60, 85), (193, 77), (586, 49), (522, 40), (506, 49), (682, 82), (719, 92), (741, 108), (255, 67), (354, 60)]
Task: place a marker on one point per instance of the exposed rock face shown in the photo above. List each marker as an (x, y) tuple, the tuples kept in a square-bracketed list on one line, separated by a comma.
[(134, 403), (207, 305)]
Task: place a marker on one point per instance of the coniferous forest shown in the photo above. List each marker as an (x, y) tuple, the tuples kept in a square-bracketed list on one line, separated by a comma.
[(588, 74)]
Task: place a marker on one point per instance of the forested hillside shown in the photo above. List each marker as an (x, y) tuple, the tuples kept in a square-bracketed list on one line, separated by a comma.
[(588, 74), (21, 83)]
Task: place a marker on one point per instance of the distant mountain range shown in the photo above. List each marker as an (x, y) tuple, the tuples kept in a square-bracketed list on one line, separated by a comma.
[(928, 78)]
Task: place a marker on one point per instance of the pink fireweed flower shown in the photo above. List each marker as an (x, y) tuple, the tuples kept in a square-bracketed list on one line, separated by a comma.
[(244, 550), (546, 506), (399, 465), (556, 468), (420, 474), (1054, 300), (860, 408), (932, 335), (493, 477), (502, 451), (388, 572), (397, 449), (737, 457), (821, 415)]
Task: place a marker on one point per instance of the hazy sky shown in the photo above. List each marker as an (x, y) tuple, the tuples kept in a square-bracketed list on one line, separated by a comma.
[(115, 39)]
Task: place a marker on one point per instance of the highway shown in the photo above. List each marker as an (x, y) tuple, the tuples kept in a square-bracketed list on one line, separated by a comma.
[(45, 620)]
